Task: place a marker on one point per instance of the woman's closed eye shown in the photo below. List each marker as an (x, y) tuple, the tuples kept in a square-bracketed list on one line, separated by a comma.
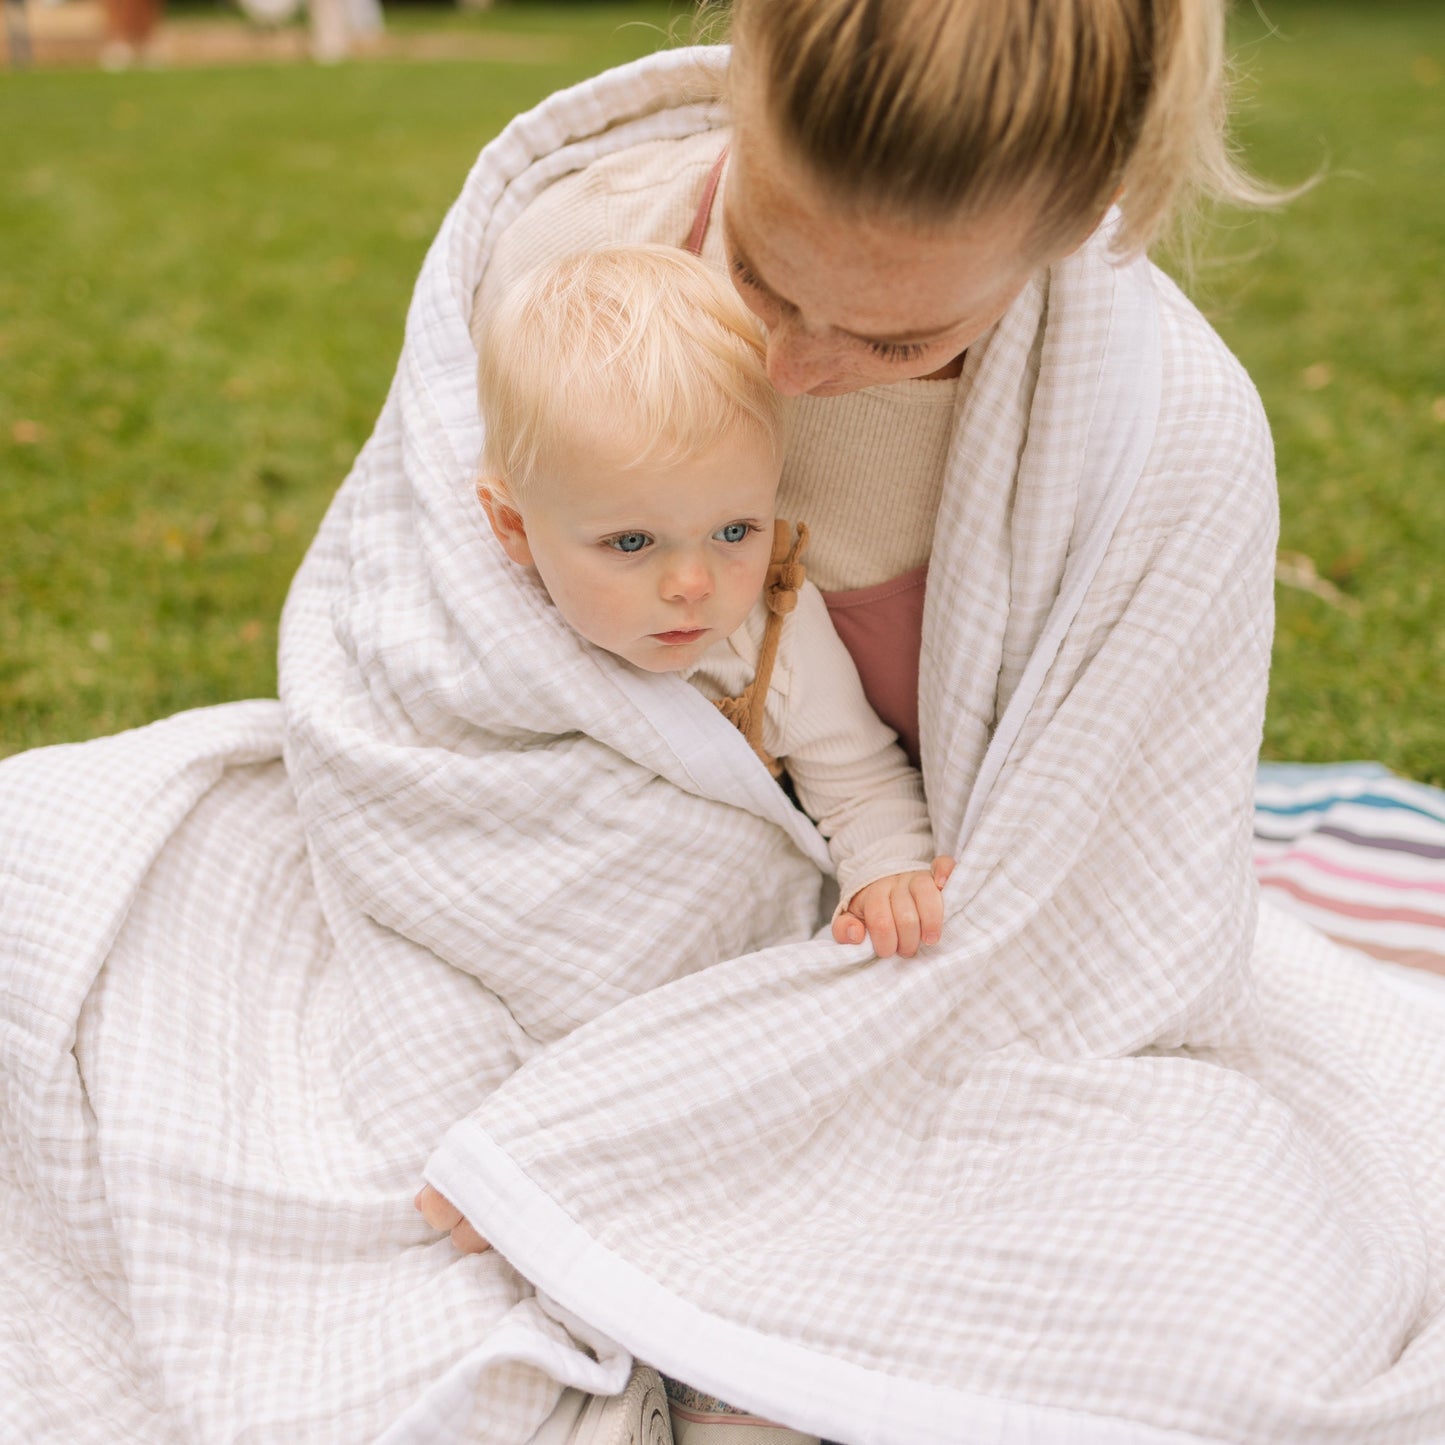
[(744, 274), (763, 302), (628, 542), (888, 350)]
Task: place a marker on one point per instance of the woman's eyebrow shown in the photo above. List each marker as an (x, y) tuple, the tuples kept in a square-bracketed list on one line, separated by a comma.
[(738, 261)]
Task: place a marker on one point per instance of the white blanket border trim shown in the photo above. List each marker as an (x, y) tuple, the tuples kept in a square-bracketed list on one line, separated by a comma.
[(578, 1278)]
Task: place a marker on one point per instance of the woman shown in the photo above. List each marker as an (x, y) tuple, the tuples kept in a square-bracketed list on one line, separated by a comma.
[(1105, 1164)]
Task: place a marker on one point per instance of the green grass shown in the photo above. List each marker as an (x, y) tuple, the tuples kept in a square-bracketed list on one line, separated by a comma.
[(206, 273), (201, 303), (1337, 307)]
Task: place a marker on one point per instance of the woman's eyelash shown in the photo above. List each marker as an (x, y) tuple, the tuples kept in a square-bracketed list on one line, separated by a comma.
[(744, 275), (896, 351), (890, 350)]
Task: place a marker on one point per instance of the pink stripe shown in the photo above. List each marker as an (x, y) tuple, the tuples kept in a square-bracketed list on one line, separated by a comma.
[(1325, 866), (1420, 958), (1355, 910)]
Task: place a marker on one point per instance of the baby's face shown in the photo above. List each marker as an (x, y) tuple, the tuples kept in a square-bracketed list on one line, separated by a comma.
[(655, 563)]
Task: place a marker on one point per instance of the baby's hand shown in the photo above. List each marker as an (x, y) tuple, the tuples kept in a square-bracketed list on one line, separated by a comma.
[(897, 913)]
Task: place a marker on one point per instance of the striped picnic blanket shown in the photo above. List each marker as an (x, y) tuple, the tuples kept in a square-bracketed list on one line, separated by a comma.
[(1358, 853)]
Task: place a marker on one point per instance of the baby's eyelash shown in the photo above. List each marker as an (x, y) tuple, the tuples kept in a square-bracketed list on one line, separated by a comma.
[(613, 543), (750, 528)]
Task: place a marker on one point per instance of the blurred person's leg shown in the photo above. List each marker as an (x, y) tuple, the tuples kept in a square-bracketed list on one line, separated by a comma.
[(130, 29), (363, 18), (17, 34), (330, 34), (336, 23)]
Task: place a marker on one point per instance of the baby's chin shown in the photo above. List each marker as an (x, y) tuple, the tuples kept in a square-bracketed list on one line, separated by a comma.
[(675, 659), (665, 657)]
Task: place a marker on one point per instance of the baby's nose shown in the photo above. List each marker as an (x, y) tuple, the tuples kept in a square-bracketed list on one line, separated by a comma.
[(688, 581)]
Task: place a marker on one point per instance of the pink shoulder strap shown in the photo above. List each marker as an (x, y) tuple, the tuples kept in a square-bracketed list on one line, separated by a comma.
[(704, 208)]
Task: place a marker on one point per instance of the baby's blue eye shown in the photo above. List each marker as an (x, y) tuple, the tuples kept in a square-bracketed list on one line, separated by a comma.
[(629, 541), (733, 532)]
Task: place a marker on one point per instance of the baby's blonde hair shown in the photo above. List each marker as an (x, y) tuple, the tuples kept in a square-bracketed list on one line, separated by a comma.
[(944, 109), (640, 353)]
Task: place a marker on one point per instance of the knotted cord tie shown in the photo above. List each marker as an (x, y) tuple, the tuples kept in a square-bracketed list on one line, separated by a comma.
[(780, 593)]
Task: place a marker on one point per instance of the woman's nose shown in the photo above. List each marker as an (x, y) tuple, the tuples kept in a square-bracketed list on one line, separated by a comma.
[(687, 580)]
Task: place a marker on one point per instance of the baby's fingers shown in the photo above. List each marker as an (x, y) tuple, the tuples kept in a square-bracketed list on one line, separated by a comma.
[(905, 915), (942, 870), (467, 1240), (929, 903), (437, 1210), (442, 1214), (878, 915)]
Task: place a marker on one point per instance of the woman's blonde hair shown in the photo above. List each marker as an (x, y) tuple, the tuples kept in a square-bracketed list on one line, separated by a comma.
[(944, 109), (636, 353)]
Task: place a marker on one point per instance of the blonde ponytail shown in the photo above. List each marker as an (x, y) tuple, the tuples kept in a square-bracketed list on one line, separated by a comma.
[(945, 109)]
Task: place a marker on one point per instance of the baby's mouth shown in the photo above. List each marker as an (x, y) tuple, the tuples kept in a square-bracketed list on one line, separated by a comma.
[(676, 639)]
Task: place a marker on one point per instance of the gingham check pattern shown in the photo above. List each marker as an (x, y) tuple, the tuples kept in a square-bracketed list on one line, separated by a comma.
[(1103, 1167)]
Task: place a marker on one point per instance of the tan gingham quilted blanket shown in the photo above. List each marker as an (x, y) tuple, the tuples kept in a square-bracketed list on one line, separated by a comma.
[(1123, 1159)]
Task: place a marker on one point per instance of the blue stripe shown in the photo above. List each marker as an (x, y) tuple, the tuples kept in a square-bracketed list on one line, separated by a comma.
[(1369, 800)]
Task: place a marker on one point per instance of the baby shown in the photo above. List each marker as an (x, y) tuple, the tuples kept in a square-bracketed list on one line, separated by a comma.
[(632, 457)]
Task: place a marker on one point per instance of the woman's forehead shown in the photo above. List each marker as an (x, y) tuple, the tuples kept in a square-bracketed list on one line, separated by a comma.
[(875, 276)]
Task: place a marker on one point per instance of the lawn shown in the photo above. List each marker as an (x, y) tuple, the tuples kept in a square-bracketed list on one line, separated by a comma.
[(205, 277)]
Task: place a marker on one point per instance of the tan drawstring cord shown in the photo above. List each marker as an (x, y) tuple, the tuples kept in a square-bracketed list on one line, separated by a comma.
[(780, 593)]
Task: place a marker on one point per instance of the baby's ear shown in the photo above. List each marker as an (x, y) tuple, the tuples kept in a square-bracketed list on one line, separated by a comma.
[(506, 520)]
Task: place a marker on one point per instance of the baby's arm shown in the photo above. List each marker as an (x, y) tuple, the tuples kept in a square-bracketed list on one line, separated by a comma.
[(855, 782)]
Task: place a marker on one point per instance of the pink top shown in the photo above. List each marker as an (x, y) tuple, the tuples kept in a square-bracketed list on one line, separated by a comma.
[(881, 626)]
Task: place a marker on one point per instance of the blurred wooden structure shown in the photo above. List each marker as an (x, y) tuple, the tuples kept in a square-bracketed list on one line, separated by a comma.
[(36, 34), (73, 34), (17, 34)]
